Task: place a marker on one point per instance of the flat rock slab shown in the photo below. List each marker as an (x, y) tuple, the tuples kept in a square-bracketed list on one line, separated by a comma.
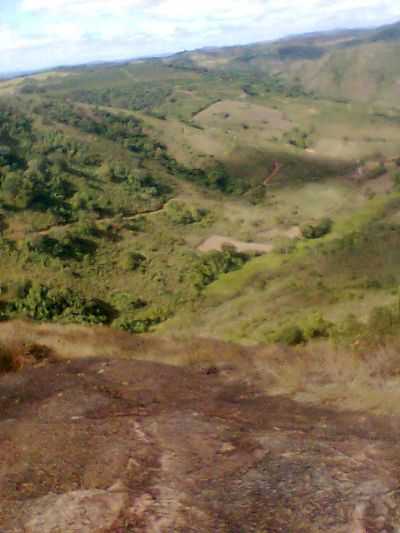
[(120, 446)]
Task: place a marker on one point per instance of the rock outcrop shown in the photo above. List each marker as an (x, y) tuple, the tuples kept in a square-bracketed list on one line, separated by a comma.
[(128, 446)]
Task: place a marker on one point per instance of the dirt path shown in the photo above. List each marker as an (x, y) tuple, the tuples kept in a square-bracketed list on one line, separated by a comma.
[(276, 169), (118, 446), (105, 220)]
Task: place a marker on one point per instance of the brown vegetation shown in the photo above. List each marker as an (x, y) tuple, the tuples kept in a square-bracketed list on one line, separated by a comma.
[(355, 377), (15, 355)]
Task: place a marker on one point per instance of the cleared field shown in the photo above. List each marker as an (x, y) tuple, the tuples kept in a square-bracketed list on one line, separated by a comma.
[(217, 242), (244, 114), (290, 233)]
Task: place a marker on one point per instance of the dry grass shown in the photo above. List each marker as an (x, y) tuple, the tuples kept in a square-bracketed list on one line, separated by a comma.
[(231, 113), (10, 359), (318, 374), (15, 355), (73, 342), (345, 378)]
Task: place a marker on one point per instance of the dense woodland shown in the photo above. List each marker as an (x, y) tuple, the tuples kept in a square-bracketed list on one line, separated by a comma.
[(46, 169)]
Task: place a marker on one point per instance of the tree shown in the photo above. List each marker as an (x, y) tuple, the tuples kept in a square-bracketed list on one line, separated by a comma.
[(106, 171), (37, 167), (17, 190)]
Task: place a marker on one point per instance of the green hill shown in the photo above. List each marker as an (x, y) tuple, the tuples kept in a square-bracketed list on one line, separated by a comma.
[(355, 65), (213, 192)]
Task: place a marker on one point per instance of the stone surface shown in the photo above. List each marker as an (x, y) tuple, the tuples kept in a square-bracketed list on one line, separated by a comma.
[(150, 448)]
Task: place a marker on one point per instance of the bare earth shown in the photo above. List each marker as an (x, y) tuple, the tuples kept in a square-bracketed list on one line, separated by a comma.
[(126, 446), (290, 233), (217, 242)]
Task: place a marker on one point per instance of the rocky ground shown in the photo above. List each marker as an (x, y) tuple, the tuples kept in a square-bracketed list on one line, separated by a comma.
[(127, 446)]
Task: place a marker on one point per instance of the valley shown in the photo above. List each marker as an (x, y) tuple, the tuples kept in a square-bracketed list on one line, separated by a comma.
[(161, 192), (200, 291)]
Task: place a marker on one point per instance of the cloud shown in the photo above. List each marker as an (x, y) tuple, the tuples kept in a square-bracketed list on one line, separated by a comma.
[(71, 31), (10, 39), (82, 7)]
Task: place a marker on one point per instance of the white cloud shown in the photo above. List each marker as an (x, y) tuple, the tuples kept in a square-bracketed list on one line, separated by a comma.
[(10, 39), (61, 31), (85, 7)]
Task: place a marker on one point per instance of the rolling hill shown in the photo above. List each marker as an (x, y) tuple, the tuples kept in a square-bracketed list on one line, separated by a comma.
[(121, 183), (359, 65), (199, 291)]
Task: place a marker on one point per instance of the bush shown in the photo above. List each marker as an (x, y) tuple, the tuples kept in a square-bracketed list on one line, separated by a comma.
[(317, 327), (212, 264), (144, 321), (180, 213), (132, 261), (68, 247), (8, 360), (134, 325), (137, 225), (377, 171), (317, 230), (290, 335), (382, 321), (39, 302)]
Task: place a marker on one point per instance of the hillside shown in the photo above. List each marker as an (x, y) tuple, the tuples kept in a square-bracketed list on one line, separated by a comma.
[(359, 65), (199, 291), (155, 198)]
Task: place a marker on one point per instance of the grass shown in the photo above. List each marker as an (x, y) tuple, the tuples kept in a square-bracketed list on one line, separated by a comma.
[(355, 379), (75, 342), (276, 289)]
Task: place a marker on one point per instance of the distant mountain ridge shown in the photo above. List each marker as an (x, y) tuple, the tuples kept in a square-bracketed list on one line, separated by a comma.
[(359, 65), (345, 64)]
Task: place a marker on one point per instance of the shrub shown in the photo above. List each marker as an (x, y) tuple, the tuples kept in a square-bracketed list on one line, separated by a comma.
[(137, 225), (124, 301), (382, 321), (134, 325), (132, 261), (45, 303), (347, 330), (180, 213), (377, 171), (38, 352), (144, 321), (8, 360), (212, 264), (290, 335), (317, 327), (68, 247), (317, 229)]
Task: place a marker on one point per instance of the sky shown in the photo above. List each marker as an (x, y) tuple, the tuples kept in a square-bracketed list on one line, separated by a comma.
[(37, 34)]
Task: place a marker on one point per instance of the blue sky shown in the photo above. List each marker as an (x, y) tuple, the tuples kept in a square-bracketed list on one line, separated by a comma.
[(42, 33)]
